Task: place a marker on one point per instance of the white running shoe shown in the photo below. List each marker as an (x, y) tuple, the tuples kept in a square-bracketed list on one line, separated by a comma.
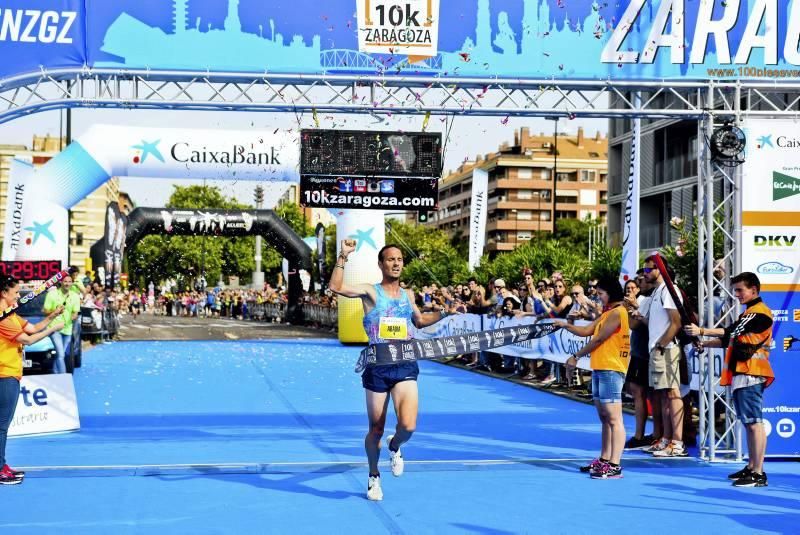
[(672, 450), (396, 458), (657, 445), (374, 491)]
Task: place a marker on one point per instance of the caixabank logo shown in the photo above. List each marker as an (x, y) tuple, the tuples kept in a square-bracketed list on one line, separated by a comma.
[(784, 186)]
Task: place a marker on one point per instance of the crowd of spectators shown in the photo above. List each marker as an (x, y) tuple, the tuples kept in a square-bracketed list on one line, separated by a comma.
[(548, 297)]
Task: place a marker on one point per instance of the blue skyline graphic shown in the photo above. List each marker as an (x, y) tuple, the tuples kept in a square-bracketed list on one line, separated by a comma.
[(503, 38)]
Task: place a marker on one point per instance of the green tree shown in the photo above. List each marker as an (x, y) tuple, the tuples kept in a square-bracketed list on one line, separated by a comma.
[(429, 256)]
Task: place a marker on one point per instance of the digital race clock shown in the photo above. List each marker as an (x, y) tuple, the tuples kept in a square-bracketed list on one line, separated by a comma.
[(28, 270)]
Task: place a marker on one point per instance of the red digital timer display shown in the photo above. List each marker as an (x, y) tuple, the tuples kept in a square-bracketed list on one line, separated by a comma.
[(31, 270)]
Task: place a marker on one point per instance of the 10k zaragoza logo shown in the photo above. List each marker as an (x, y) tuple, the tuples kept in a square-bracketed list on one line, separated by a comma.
[(399, 27)]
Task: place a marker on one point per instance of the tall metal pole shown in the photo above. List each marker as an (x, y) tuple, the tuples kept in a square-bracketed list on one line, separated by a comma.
[(708, 266), (555, 172), (203, 253), (737, 246), (706, 431), (258, 275)]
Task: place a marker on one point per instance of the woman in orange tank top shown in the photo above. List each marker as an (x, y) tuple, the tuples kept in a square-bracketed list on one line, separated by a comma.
[(609, 349), (15, 332)]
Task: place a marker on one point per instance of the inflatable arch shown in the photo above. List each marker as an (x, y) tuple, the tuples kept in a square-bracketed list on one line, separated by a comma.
[(144, 221), (39, 199)]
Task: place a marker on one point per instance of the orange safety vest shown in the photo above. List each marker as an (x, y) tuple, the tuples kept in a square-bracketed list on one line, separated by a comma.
[(758, 363)]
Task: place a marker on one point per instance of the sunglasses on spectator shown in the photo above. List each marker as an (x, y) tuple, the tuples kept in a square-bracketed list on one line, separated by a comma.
[(648, 270), (591, 286), (576, 294)]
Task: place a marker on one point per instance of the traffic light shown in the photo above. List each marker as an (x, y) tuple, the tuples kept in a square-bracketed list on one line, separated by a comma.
[(422, 217)]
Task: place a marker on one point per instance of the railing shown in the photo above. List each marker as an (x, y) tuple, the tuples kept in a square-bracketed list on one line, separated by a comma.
[(270, 312), (99, 322), (315, 315), (322, 316)]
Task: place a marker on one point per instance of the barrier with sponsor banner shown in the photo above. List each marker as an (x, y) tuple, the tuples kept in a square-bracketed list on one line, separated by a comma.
[(556, 347), (46, 404)]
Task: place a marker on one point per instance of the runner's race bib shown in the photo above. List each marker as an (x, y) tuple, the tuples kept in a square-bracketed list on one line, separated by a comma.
[(393, 329)]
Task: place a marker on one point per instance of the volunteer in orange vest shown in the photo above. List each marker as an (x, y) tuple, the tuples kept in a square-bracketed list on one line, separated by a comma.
[(746, 371), (609, 349), (15, 332)]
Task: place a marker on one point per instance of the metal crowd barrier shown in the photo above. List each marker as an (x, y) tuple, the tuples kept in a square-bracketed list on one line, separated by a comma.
[(320, 315), (272, 312), (99, 322)]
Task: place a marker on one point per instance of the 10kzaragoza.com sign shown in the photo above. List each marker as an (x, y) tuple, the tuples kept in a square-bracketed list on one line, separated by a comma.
[(519, 39)]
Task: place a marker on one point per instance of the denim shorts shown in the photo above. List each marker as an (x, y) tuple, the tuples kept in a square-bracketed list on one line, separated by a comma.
[(748, 402), (607, 386), (384, 378)]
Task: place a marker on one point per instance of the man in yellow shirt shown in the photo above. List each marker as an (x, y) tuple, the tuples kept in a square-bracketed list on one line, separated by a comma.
[(62, 296)]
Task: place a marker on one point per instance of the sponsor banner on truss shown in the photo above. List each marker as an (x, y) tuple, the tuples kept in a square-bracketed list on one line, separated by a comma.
[(781, 400), (771, 250), (519, 39)]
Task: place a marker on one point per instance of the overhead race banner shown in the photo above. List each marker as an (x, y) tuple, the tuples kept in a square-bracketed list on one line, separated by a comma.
[(771, 249), (46, 404), (515, 39), (36, 34)]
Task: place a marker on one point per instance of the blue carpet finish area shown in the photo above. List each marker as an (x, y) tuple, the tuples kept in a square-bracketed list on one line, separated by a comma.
[(267, 436)]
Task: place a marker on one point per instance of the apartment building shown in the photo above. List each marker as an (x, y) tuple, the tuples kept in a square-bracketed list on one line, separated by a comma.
[(523, 197)]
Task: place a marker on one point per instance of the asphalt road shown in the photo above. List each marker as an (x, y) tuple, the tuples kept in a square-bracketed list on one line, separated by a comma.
[(148, 327)]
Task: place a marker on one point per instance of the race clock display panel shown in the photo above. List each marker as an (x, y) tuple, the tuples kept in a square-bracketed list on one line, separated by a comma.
[(362, 153), (31, 270)]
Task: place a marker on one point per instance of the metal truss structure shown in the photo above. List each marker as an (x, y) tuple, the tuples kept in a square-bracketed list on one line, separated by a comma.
[(396, 94), (719, 189)]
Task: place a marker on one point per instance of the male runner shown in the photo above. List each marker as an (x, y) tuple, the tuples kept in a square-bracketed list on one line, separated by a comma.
[(389, 314)]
